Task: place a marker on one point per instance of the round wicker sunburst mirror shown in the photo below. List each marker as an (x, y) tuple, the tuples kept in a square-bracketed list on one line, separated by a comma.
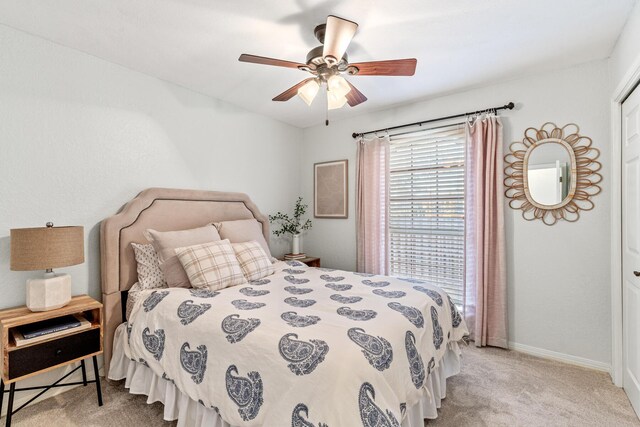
[(552, 173)]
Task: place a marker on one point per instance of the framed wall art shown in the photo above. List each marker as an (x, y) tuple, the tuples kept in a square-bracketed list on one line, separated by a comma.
[(330, 189)]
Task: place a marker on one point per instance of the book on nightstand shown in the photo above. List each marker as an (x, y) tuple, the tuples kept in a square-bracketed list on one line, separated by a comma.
[(288, 257), (50, 328)]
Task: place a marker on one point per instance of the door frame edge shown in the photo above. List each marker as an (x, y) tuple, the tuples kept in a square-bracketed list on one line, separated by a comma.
[(628, 83)]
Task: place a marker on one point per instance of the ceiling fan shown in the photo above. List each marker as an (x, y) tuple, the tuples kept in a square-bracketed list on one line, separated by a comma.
[(328, 62)]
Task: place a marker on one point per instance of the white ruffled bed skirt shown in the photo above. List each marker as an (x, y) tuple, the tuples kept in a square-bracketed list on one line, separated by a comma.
[(189, 413)]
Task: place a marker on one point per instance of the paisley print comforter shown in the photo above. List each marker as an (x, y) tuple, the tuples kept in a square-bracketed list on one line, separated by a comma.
[(302, 347)]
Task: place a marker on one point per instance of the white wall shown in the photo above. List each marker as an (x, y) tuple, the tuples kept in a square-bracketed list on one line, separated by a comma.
[(81, 136), (626, 54), (558, 277)]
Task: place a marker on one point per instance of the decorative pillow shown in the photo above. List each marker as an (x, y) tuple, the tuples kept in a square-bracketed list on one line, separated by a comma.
[(148, 265), (243, 230), (132, 297), (165, 242), (253, 260), (212, 265)]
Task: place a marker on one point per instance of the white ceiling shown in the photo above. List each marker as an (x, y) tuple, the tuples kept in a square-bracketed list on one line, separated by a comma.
[(458, 44)]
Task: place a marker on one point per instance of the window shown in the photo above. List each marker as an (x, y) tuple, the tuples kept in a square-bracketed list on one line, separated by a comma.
[(426, 208)]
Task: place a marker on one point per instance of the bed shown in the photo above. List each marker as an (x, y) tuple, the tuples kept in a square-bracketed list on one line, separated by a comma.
[(302, 347)]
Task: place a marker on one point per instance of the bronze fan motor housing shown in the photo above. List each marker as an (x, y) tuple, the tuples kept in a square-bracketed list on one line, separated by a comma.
[(331, 59), (323, 67), (318, 66)]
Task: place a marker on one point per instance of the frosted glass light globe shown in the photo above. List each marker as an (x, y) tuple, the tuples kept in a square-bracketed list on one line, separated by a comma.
[(338, 85), (309, 91)]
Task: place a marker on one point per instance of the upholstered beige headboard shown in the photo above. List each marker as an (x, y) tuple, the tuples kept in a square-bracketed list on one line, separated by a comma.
[(161, 209)]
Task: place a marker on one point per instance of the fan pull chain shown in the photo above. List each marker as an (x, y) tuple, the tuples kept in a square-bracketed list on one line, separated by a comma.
[(326, 122)]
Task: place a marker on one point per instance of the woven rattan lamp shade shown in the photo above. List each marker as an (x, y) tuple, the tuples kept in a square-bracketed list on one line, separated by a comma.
[(42, 248)]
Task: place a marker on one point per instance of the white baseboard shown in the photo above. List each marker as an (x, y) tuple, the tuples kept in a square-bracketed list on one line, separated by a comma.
[(561, 357), (48, 378)]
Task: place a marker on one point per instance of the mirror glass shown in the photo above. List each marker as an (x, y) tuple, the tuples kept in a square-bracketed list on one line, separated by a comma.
[(549, 173)]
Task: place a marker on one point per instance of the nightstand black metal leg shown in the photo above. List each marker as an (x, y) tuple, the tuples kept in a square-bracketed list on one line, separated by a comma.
[(84, 373), (95, 372), (1, 393), (12, 390)]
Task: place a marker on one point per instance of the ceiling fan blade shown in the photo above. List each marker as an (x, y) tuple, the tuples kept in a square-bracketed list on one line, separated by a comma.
[(337, 36), (354, 96), (291, 92), (254, 59), (395, 67)]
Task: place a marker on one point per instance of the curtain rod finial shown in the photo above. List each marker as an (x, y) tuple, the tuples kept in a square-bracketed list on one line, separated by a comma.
[(510, 105), (354, 135)]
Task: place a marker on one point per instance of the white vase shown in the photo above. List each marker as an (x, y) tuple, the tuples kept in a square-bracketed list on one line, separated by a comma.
[(295, 244)]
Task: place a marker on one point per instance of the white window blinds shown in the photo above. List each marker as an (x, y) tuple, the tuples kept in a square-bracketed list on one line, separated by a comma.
[(426, 207)]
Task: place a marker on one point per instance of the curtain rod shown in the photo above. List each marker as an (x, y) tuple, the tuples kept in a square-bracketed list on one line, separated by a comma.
[(508, 106)]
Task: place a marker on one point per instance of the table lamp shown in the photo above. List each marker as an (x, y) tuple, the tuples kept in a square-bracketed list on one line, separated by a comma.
[(46, 248)]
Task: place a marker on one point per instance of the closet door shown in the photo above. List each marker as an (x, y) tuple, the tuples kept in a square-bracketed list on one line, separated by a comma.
[(631, 246)]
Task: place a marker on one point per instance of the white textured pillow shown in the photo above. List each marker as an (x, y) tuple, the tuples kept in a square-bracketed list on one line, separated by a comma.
[(243, 230), (213, 265), (253, 260), (148, 266)]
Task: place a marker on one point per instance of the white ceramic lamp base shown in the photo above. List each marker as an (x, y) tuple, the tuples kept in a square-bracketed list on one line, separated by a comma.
[(51, 292)]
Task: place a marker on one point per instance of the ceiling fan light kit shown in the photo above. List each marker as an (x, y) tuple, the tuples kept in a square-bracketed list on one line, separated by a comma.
[(338, 85), (335, 101), (309, 91), (329, 61)]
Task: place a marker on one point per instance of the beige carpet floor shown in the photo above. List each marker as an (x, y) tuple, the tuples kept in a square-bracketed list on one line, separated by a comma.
[(495, 388)]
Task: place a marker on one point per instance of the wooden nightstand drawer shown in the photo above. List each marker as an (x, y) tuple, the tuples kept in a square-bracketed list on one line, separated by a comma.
[(312, 261), (23, 361)]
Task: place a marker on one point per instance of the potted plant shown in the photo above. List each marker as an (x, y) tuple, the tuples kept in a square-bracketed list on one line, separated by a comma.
[(292, 225)]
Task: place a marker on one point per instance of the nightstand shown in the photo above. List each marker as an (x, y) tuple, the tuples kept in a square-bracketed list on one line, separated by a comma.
[(20, 362), (310, 261)]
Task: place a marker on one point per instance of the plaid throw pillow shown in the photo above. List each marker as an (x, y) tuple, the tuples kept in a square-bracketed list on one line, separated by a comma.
[(254, 261), (148, 265), (212, 265)]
